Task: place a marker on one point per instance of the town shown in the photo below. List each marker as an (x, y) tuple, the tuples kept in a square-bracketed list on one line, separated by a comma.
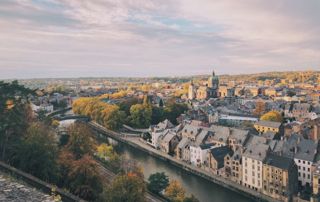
[(260, 132)]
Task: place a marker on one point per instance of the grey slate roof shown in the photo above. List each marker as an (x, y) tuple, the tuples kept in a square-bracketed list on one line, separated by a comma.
[(257, 151), (183, 143), (219, 153), (300, 148), (279, 161)]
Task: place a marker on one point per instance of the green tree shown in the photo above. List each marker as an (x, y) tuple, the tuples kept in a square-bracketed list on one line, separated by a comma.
[(38, 152), (173, 110), (140, 115), (158, 182), (15, 115)]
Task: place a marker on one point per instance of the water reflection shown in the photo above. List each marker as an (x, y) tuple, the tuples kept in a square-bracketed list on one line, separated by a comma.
[(204, 190)]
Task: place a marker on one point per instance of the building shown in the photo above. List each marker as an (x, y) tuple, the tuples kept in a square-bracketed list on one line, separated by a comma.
[(225, 91), (303, 152), (265, 126), (252, 162), (316, 179), (198, 154), (233, 167), (210, 90), (168, 142), (216, 159), (191, 91), (280, 176), (183, 150)]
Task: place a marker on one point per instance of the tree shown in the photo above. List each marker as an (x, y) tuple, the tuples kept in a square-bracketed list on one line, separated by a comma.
[(173, 110), (158, 182), (140, 115), (272, 116), (84, 179), (192, 198), (15, 115), (38, 152), (80, 140), (175, 191), (260, 108), (127, 188)]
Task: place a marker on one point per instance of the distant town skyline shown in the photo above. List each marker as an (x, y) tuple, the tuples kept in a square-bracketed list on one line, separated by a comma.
[(140, 38)]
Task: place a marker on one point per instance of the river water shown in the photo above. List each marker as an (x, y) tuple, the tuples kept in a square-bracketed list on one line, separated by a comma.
[(203, 189)]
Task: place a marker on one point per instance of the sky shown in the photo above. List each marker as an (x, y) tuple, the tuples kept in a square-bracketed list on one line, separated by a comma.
[(106, 38)]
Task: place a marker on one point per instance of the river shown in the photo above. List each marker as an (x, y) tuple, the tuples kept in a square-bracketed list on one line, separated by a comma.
[(204, 190)]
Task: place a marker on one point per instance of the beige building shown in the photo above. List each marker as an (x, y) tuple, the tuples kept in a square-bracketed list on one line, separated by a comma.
[(280, 177), (233, 167)]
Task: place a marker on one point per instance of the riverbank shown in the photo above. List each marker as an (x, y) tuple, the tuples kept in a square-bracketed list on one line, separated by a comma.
[(136, 143)]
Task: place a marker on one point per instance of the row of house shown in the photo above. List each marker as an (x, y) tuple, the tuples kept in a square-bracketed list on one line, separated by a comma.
[(259, 162)]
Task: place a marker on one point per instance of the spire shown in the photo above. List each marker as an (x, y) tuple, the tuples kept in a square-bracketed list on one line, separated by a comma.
[(213, 74)]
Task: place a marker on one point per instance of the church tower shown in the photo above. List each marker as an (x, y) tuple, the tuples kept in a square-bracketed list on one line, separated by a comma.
[(213, 84), (192, 91)]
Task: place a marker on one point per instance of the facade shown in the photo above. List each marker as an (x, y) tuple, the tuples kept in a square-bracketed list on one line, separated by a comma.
[(252, 162), (316, 179), (225, 91), (191, 91), (280, 176), (216, 159), (168, 142), (265, 126), (211, 90), (233, 167), (199, 154), (306, 151)]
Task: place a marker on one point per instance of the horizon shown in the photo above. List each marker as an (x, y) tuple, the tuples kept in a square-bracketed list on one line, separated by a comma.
[(145, 38), (160, 77)]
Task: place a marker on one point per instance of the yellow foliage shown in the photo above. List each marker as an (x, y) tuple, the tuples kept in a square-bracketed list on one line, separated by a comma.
[(272, 116), (175, 191)]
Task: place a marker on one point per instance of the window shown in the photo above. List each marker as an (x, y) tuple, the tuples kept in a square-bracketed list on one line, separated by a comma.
[(308, 176)]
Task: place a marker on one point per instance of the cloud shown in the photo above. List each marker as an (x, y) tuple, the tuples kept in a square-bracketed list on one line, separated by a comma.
[(150, 37)]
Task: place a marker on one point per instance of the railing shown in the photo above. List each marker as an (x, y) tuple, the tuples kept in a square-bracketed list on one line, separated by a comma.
[(37, 183)]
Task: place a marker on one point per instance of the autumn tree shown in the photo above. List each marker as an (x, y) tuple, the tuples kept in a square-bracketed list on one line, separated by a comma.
[(81, 140), (158, 182), (272, 116), (260, 108), (175, 192), (191, 198), (84, 179), (128, 187)]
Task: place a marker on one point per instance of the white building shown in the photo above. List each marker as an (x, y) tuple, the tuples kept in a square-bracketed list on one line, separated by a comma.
[(252, 162), (304, 158), (199, 154)]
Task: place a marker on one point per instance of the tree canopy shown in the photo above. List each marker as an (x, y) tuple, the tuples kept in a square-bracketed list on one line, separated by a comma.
[(272, 116), (158, 182)]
